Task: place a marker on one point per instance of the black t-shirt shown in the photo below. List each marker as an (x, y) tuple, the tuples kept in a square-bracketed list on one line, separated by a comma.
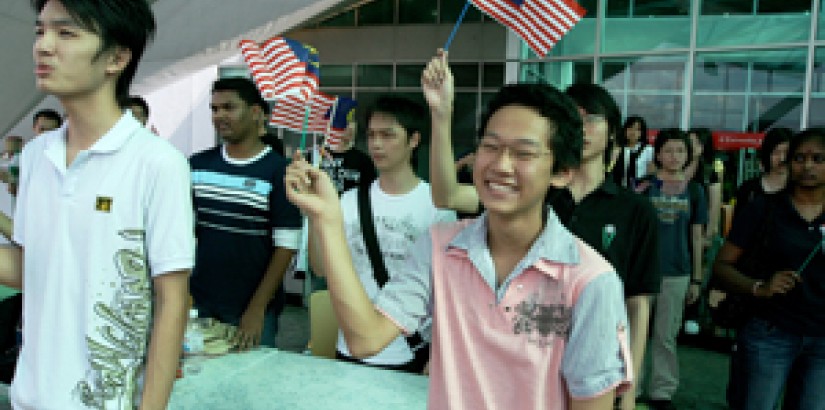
[(621, 226), (349, 169), (273, 141), (791, 240), (747, 192)]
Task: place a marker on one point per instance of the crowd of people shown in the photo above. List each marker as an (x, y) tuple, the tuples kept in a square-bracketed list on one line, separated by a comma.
[(542, 270)]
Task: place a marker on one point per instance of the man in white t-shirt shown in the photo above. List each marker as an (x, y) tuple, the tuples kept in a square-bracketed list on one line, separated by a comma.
[(103, 226), (402, 209)]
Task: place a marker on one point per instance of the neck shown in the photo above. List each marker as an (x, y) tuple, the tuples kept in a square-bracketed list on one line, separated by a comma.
[(398, 181), (809, 196), (89, 117), (244, 149), (774, 180), (670, 175), (587, 178), (513, 234)]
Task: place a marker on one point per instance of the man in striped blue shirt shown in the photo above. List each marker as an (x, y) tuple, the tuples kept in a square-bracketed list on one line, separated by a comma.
[(246, 230)]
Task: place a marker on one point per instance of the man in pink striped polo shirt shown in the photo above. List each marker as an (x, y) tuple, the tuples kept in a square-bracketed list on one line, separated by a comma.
[(525, 315)]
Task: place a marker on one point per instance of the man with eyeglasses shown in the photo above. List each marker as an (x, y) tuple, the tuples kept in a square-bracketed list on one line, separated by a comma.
[(620, 225)]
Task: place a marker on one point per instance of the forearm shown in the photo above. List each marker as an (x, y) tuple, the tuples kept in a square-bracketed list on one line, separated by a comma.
[(366, 330), (11, 266), (272, 279), (314, 257), (447, 192), (638, 315), (714, 210), (696, 257), (166, 339)]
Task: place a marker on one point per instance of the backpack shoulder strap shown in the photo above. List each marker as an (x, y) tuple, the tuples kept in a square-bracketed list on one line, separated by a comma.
[(379, 270)]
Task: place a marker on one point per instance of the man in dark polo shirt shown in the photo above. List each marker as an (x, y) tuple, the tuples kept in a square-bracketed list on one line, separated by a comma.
[(620, 225)]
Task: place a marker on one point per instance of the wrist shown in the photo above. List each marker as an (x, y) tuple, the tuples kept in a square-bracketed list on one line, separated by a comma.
[(756, 287)]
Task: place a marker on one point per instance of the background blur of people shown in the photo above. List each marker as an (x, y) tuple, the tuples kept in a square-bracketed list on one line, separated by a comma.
[(635, 156), (347, 166), (46, 120), (139, 108), (774, 176), (10, 162)]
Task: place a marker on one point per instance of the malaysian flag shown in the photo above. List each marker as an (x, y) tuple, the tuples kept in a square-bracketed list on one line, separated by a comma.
[(282, 67), (289, 113), (342, 113), (540, 23)]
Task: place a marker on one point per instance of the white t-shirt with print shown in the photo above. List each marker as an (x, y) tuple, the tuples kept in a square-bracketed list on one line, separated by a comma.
[(399, 220), (93, 235)]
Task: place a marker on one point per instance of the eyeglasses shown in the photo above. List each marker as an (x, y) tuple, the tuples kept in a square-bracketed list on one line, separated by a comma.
[(517, 154), (816, 157)]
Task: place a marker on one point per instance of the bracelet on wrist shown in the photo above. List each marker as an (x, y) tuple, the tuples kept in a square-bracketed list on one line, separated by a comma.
[(756, 285)]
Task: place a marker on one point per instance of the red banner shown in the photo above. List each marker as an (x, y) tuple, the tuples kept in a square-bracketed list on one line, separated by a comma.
[(726, 140)]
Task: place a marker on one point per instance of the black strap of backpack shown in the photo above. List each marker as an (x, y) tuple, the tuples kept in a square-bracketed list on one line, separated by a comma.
[(379, 270)]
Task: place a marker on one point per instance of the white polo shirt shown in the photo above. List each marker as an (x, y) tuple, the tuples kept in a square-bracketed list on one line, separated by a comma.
[(93, 234)]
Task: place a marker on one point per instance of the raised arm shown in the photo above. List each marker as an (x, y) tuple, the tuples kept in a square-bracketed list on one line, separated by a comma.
[(366, 330), (437, 83)]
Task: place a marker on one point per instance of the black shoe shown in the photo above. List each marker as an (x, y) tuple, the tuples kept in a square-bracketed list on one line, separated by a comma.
[(660, 404)]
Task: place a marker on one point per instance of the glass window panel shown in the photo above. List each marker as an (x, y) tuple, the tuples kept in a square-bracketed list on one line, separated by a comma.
[(493, 75), (465, 74), (374, 76), (779, 77), (718, 112), (558, 73), (376, 12), (465, 112), (821, 26), (417, 11), (643, 25), (818, 75), (450, 10), (783, 6), (817, 106), (763, 70), (346, 19), (774, 111), (408, 75), (660, 111), (645, 73), (730, 28), (336, 75)]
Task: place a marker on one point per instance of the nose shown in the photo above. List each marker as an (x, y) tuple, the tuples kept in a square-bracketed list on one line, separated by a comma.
[(504, 161), (44, 43)]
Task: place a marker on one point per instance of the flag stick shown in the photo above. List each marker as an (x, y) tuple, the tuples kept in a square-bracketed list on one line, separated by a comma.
[(304, 128), (457, 23), (807, 261)]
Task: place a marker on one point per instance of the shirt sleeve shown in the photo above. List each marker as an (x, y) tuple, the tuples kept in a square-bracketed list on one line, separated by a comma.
[(597, 359), (406, 298), (170, 241), (19, 216), (746, 222), (643, 266)]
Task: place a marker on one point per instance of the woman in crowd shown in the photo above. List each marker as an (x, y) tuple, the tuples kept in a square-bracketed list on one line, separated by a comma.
[(774, 176), (682, 211), (708, 172), (774, 253), (634, 160)]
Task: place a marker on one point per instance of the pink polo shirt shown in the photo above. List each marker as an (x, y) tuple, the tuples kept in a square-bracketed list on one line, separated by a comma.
[(554, 329)]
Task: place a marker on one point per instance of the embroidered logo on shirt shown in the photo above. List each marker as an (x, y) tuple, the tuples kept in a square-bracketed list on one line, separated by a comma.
[(103, 204), (542, 322), (608, 233)]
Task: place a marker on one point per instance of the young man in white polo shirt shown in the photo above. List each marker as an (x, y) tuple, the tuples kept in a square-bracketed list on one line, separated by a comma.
[(103, 225)]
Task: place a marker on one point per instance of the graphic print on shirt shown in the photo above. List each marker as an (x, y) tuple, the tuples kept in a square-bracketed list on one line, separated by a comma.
[(118, 345), (669, 207), (334, 167), (395, 236), (543, 316)]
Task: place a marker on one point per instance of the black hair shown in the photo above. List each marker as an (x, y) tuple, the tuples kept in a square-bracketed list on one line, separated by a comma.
[(621, 138), (773, 138), (48, 114), (705, 137), (566, 138), (411, 115), (119, 23), (596, 100), (670, 134), (245, 89), (136, 100)]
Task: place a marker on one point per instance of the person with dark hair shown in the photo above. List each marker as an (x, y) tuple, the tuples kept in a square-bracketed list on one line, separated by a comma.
[(774, 176), (402, 210), (104, 214), (512, 286), (139, 108), (634, 161), (782, 345), (617, 223), (246, 230), (46, 120), (347, 166), (708, 171), (682, 210)]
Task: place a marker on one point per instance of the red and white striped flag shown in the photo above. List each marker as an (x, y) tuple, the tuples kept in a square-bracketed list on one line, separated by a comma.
[(540, 23), (282, 67), (289, 113)]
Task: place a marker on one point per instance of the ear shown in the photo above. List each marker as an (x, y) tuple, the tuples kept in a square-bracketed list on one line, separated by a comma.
[(118, 60), (415, 139), (562, 178)]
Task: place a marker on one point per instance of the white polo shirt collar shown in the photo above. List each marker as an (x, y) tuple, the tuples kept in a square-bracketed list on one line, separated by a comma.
[(112, 141)]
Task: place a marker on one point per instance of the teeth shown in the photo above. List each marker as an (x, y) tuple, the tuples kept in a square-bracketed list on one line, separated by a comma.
[(500, 187)]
